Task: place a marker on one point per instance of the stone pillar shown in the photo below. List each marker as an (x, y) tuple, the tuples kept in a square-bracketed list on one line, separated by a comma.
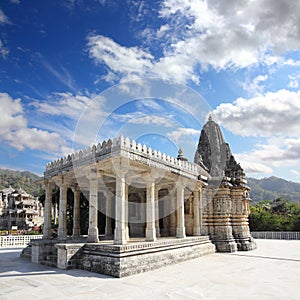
[(180, 230), (93, 234), (55, 213), (62, 217), (196, 208), (207, 212), (239, 217), (157, 213), (172, 216), (47, 230), (126, 212), (222, 228), (150, 211), (120, 231), (165, 213), (76, 213), (108, 223)]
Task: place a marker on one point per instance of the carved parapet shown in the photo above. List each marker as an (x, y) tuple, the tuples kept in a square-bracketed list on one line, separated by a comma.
[(122, 147)]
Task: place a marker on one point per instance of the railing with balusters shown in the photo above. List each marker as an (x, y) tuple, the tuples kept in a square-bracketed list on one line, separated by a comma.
[(276, 235), (17, 240)]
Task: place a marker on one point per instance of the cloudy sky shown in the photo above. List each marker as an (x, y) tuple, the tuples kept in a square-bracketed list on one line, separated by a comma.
[(73, 72)]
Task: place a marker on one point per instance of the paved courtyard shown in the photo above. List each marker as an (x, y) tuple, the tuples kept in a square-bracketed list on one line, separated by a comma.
[(270, 272)]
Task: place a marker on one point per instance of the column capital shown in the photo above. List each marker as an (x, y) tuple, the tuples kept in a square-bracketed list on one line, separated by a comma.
[(75, 188), (48, 183), (61, 181), (94, 174), (120, 167)]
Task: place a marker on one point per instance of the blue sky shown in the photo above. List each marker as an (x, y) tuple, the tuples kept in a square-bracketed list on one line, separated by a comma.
[(75, 72)]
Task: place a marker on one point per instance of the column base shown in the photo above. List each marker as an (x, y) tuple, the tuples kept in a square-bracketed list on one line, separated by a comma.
[(180, 232), (150, 234), (157, 232), (127, 233), (196, 231), (76, 233), (93, 235), (120, 237)]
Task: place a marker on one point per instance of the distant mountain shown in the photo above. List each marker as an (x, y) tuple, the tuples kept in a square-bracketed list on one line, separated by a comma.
[(25, 180), (271, 188)]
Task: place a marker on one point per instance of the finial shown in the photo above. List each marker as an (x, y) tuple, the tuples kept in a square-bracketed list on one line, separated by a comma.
[(209, 117), (180, 155), (180, 152)]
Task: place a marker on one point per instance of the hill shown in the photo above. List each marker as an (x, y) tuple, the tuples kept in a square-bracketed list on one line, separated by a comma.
[(24, 179), (271, 188)]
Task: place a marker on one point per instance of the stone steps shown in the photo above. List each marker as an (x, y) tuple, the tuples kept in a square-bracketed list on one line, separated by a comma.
[(48, 263)]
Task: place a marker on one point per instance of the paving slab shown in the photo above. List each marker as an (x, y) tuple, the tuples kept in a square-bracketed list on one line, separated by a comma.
[(272, 271)]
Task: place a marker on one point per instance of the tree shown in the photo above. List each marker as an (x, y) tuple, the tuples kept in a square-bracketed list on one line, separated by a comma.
[(276, 215)]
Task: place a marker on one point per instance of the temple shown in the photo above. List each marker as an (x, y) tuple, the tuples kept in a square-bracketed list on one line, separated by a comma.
[(146, 209), (20, 210)]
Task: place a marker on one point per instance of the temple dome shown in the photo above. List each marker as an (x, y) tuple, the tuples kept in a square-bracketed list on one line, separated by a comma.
[(215, 153)]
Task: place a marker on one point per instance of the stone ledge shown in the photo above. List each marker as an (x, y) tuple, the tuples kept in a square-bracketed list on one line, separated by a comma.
[(141, 260)]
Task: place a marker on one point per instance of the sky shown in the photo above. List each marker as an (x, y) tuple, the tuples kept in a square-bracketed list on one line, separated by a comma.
[(75, 72)]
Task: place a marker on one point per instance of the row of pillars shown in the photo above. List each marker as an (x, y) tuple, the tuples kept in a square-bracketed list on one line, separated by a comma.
[(121, 234)]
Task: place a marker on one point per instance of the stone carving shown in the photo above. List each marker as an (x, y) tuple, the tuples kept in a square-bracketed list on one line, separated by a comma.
[(226, 221)]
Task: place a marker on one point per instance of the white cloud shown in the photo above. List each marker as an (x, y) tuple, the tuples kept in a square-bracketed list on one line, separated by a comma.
[(294, 81), (35, 139), (120, 60), (14, 129), (181, 133), (61, 74), (3, 18), (296, 173), (11, 112), (64, 104), (200, 34), (153, 120), (3, 50), (252, 167), (255, 87), (235, 34), (276, 152), (274, 113)]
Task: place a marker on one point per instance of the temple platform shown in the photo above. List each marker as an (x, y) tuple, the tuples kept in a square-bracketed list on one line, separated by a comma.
[(269, 272), (137, 256)]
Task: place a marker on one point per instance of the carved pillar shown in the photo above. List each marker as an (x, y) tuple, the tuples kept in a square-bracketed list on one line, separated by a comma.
[(150, 211), (120, 231), (47, 230), (108, 223), (180, 230), (240, 213), (157, 213), (93, 233), (76, 213), (62, 217), (222, 228), (196, 208)]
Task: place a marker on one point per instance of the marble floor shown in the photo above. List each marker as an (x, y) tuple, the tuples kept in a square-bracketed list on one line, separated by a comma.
[(270, 272)]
